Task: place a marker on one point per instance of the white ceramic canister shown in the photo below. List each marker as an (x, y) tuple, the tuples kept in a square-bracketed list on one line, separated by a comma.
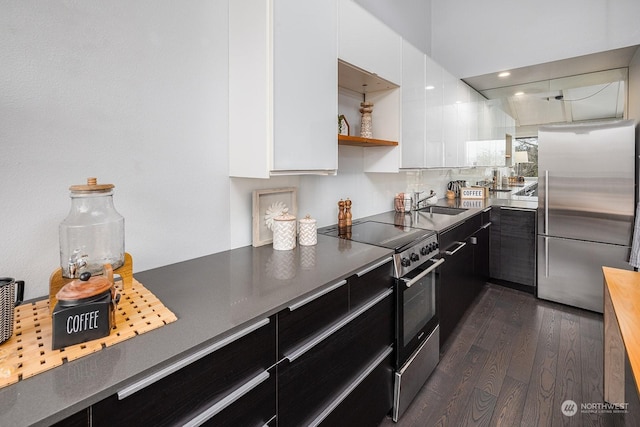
[(284, 232), (308, 231)]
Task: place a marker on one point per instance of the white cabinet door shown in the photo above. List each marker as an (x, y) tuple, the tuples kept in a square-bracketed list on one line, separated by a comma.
[(305, 87), (366, 42), (413, 141), (282, 87), (434, 126), (463, 120), (450, 120)]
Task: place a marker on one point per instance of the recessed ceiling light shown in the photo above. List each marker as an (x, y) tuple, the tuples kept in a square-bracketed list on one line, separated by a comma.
[(430, 87), (504, 74), (519, 93)]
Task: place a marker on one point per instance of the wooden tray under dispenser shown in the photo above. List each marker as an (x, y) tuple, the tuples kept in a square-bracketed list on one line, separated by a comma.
[(57, 281)]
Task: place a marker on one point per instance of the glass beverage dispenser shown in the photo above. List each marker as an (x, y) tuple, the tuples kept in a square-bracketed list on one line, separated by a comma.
[(92, 235)]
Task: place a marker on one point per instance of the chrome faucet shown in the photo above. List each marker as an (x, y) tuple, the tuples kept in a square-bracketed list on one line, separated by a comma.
[(417, 200)]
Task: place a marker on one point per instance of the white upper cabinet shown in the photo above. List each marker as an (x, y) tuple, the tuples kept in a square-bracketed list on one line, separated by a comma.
[(283, 102), (450, 132), (367, 43), (370, 54), (434, 91), (413, 141)]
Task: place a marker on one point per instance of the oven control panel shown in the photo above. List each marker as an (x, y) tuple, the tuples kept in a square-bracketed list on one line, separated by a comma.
[(416, 255)]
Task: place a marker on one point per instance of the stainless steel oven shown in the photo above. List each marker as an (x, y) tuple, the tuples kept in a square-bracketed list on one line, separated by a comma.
[(417, 323)]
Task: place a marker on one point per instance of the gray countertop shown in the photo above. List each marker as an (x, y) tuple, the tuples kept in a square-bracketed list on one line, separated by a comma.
[(440, 222), (212, 296)]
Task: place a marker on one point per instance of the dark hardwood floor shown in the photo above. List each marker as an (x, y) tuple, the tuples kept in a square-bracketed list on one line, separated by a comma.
[(512, 361)]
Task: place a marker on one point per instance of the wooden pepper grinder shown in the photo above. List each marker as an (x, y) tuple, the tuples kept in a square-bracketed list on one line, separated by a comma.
[(347, 212), (342, 219)]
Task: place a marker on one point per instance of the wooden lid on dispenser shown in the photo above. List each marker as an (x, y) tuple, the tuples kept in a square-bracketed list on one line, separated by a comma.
[(91, 186)]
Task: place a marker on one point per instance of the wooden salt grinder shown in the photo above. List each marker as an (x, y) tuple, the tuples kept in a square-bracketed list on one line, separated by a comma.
[(347, 213)]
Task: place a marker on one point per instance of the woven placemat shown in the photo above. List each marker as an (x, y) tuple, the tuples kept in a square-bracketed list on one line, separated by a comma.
[(28, 352)]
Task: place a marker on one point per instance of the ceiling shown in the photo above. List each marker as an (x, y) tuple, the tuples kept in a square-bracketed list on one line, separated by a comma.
[(590, 87)]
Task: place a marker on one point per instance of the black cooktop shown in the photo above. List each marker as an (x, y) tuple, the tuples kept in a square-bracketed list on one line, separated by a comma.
[(390, 236)]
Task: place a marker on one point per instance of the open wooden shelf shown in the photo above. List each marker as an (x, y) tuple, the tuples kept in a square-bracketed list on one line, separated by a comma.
[(358, 141)]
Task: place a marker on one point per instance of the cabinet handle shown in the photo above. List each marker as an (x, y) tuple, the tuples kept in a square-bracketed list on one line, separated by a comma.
[(435, 265), (460, 246), (300, 351), (509, 208), (485, 210), (308, 299), (139, 385), (346, 392), (229, 399), (487, 225), (373, 267)]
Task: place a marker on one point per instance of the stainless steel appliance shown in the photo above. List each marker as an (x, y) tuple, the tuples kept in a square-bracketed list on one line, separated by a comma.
[(415, 270), (586, 201)]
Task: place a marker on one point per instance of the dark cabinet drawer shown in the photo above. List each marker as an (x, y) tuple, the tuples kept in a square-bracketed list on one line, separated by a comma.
[(252, 404), (369, 400), (460, 232), (367, 283), (311, 377), (304, 319), (79, 419), (194, 384)]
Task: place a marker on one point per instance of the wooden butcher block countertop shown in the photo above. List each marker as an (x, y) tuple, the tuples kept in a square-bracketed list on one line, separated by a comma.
[(624, 289)]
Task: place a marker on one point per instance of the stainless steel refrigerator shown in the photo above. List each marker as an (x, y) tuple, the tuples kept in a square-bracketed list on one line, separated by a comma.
[(586, 206)]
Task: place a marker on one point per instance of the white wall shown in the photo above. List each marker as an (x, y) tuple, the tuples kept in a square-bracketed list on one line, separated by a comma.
[(131, 92), (472, 38)]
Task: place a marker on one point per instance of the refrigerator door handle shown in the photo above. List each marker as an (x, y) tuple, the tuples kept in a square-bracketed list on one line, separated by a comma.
[(546, 204), (546, 256)]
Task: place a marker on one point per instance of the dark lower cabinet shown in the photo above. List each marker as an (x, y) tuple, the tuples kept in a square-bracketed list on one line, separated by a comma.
[(456, 286), (309, 383), (368, 402), (465, 249), (79, 419), (513, 247), (234, 379)]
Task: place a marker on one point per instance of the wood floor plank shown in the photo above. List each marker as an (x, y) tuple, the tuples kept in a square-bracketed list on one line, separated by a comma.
[(510, 403), (524, 350), (495, 369), (538, 407), (479, 410), (459, 395), (569, 371)]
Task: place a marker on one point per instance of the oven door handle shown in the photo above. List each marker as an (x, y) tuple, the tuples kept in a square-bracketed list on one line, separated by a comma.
[(435, 265)]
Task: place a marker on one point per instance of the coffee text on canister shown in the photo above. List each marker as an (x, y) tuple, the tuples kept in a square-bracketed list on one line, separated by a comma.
[(82, 322)]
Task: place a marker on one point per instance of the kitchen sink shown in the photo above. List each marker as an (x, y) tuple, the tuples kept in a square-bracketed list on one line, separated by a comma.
[(444, 210)]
